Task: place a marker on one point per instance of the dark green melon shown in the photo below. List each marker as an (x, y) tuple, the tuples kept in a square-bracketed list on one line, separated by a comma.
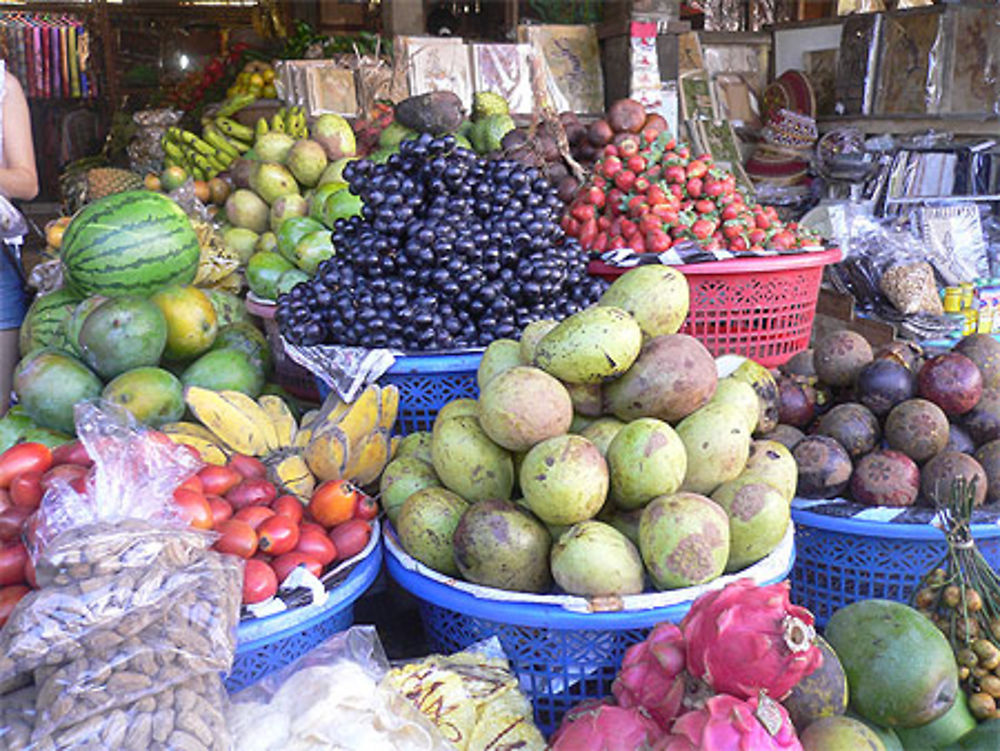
[(223, 369), (121, 334), (44, 324), (822, 693), (129, 243), (248, 339)]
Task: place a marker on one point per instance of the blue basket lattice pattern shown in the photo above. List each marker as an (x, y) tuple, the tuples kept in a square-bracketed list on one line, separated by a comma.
[(557, 668), (833, 569), (255, 660), (421, 396)]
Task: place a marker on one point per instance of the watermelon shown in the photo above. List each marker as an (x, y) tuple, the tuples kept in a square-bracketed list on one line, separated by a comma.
[(129, 243), (45, 322)]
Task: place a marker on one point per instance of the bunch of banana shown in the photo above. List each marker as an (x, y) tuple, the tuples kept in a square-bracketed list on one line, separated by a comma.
[(222, 140), (290, 120), (340, 440), (352, 440)]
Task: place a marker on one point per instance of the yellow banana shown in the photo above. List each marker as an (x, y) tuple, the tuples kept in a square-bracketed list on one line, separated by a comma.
[(281, 417), (369, 459), (394, 447), (362, 416), (261, 128), (189, 428), (196, 142), (211, 452), (390, 407), (234, 129), (302, 437), (328, 453), (172, 150), (293, 474), (232, 425), (217, 164), (234, 104), (308, 418), (256, 414)]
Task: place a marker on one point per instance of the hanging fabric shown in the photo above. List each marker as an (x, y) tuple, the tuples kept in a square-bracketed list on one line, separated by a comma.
[(49, 53)]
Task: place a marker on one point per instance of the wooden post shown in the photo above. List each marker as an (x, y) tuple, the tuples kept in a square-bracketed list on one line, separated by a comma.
[(109, 44)]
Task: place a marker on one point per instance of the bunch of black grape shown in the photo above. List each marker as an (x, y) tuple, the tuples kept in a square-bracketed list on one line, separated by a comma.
[(450, 251)]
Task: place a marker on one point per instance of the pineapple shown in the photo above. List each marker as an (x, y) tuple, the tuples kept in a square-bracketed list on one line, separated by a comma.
[(81, 186)]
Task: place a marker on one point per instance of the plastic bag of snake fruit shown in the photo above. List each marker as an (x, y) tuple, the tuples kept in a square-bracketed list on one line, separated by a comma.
[(124, 644), (331, 699)]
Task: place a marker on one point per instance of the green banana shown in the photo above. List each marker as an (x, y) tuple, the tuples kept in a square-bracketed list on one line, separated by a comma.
[(172, 150), (262, 127), (217, 163), (169, 161), (297, 122), (198, 173), (234, 129), (222, 144), (278, 122), (196, 142), (232, 106)]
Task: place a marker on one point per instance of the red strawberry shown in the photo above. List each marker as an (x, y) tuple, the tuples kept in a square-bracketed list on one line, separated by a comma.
[(694, 187), (603, 222), (601, 242), (667, 214), (738, 244), (637, 206), (595, 196), (588, 232), (617, 242), (650, 222), (704, 206), (641, 184), (611, 166), (674, 174), (731, 211), (714, 188), (703, 228), (624, 179), (656, 195), (696, 168), (757, 236), (629, 229), (636, 163), (732, 229), (611, 150), (637, 243), (658, 241), (582, 211)]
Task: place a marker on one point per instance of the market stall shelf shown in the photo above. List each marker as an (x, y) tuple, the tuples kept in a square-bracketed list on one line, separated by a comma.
[(762, 308), (268, 644), (426, 383), (564, 649), (842, 559)]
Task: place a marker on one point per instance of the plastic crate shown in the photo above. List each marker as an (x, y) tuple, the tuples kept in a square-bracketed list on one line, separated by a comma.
[(761, 308), (292, 377), (268, 644), (840, 560), (426, 383), (560, 655)]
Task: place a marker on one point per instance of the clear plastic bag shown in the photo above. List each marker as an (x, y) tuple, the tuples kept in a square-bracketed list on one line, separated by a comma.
[(125, 643), (472, 697), (331, 698)]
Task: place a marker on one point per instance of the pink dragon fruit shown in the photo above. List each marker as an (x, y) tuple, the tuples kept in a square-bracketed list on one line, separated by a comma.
[(651, 675), (599, 726), (726, 723), (744, 638)]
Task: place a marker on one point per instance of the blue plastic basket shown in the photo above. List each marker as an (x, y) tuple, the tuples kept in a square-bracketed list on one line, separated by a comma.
[(267, 644), (840, 560), (426, 383), (560, 656)]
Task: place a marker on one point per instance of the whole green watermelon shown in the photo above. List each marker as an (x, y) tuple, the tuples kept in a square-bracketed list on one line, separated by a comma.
[(134, 242), (44, 324)]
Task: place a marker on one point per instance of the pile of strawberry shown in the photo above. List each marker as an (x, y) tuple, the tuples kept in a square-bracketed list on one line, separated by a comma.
[(648, 193)]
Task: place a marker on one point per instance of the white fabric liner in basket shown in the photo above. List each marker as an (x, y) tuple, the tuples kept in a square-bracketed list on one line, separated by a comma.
[(770, 568)]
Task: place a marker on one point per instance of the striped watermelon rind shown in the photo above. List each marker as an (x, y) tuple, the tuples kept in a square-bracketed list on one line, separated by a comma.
[(135, 242), (44, 323)]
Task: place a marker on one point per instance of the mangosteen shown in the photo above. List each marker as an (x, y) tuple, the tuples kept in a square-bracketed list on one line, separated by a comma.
[(886, 478), (626, 115), (824, 467), (984, 351), (952, 381), (853, 426), (902, 351), (939, 474), (600, 133), (959, 440), (882, 384), (800, 364), (555, 171), (796, 401), (547, 147), (840, 356), (788, 435), (982, 422), (514, 139), (654, 122), (918, 428), (988, 456), (567, 188)]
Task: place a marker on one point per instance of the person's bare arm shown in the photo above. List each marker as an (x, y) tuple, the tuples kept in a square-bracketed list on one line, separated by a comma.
[(18, 179)]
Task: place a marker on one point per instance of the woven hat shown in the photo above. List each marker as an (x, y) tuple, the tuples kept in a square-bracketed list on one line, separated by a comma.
[(790, 91)]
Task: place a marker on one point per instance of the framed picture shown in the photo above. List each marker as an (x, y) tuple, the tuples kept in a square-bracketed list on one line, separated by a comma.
[(910, 71), (696, 98), (791, 44), (438, 64), (857, 63), (572, 65), (505, 69), (717, 138), (821, 68), (971, 85)]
